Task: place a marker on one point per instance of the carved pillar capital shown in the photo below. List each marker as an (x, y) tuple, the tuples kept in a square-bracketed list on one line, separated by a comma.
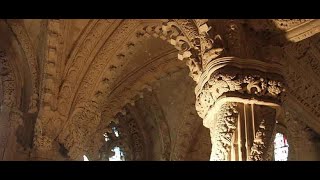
[(239, 80), (191, 38), (229, 83), (238, 100)]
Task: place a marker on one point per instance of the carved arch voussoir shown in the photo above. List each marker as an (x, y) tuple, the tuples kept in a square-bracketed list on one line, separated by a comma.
[(189, 36), (23, 39), (8, 82)]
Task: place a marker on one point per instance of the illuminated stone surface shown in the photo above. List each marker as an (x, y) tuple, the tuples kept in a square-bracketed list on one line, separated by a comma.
[(130, 89)]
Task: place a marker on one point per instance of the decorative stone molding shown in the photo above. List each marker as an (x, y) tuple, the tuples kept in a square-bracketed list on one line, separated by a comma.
[(192, 37), (49, 89), (304, 62), (192, 40), (288, 24), (43, 143), (136, 140), (8, 82), (299, 29), (78, 65), (89, 83), (83, 124), (10, 114), (48, 117), (10, 120), (23, 38), (286, 30), (164, 131), (137, 82), (8, 103)]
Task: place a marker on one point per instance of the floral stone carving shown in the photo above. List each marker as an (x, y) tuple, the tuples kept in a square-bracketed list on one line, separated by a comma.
[(239, 83)]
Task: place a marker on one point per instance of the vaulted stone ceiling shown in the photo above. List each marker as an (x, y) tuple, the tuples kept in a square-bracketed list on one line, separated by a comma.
[(123, 66)]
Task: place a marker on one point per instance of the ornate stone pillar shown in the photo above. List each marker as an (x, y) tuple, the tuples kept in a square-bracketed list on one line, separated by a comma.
[(239, 81), (239, 100)]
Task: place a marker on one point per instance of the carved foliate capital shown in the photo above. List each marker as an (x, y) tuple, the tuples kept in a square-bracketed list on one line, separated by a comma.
[(191, 38), (194, 43), (230, 80), (8, 81)]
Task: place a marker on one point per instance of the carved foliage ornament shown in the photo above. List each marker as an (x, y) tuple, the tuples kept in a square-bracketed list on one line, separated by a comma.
[(19, 30), (264, 133), (222, 132), (249, 84), (192, 40), (84, 122), (8, 81), (41, 141), (258, 143)]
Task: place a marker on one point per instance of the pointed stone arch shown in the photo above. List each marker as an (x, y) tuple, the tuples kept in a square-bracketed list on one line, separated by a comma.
[(190, 37)]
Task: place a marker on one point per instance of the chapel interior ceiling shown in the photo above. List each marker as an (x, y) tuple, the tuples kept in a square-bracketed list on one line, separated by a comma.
[(125, 69)]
